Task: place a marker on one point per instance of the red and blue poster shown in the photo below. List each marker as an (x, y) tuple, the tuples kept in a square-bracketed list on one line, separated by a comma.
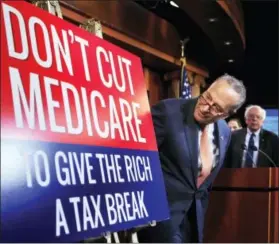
[(78, 150)]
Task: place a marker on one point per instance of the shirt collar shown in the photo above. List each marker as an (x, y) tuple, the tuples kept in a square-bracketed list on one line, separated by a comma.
[(256, 133), (211, 128)]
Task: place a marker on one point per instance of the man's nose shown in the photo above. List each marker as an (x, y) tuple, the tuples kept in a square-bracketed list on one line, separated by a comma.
[(205, 107)]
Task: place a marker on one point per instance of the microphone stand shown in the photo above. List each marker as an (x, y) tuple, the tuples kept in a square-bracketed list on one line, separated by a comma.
[(266, 155), (244, 148)]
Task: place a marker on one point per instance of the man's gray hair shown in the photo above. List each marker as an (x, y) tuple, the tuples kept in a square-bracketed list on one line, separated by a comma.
[(239, 88), (248, 108)]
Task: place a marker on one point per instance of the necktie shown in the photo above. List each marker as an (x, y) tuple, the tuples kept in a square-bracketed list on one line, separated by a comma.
[(250, 153), (215, 149), (206, 156)]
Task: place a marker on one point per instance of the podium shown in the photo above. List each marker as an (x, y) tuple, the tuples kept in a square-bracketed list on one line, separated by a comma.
[(244, 206)]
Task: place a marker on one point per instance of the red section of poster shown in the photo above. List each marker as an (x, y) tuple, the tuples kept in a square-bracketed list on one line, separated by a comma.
[(60, 83)]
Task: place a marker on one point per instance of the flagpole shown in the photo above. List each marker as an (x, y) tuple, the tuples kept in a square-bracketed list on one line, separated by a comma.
[(182, 43)]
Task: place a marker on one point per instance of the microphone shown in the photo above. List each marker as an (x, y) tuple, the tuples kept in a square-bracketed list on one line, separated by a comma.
[(244, 148), (254, 148)]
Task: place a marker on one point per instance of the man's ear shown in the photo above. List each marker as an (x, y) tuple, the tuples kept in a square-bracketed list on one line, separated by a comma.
[(225, 116), (232, 112)]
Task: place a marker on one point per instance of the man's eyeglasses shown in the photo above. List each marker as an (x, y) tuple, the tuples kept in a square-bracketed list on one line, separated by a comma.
[(253, 116), (214, 108)]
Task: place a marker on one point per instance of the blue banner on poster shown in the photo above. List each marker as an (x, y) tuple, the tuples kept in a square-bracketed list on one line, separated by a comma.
[(56, 191)]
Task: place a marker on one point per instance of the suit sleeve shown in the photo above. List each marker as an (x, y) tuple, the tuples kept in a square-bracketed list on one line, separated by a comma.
[(228, 155), (275, 149), (159, 119)]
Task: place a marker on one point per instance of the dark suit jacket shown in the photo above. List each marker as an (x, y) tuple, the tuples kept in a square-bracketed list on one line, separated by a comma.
[(269, 143), (177, 138)]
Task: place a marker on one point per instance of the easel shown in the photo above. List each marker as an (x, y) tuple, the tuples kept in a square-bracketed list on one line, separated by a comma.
[(52, 7), (133, 233), (94, 26)]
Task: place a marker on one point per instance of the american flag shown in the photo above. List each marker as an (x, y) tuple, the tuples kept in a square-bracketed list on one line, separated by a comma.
[(185, 88)]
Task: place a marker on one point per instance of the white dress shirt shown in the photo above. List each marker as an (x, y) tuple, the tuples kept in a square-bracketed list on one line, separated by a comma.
[(256, 143)]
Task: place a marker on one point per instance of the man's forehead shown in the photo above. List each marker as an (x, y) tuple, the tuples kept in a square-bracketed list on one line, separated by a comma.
[(221, 86), (255, 110), (219, 83), (223, 91)]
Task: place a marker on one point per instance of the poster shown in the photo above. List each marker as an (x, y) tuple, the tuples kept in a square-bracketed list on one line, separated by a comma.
[(271, 120), (78, 150)]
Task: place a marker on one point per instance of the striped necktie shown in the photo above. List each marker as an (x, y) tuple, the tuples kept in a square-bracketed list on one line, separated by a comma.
[(206, 156), (250, 153)]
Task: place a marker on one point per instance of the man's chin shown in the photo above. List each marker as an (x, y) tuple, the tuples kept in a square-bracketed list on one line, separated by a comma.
[(255, 128), (201, 119)]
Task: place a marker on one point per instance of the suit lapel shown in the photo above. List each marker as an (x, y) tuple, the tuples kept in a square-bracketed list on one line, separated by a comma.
[(191, 130), (261, 159), (241, 141), (221, 141), (220, 137), (262, 140)]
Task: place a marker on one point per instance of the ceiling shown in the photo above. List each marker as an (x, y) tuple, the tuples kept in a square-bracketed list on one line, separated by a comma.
[(207, 39), (256, 64), (259, 66)]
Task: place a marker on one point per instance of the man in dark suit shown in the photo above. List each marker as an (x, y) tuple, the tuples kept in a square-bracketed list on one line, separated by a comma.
[(234, 124), (192, 140), (245, 142)]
